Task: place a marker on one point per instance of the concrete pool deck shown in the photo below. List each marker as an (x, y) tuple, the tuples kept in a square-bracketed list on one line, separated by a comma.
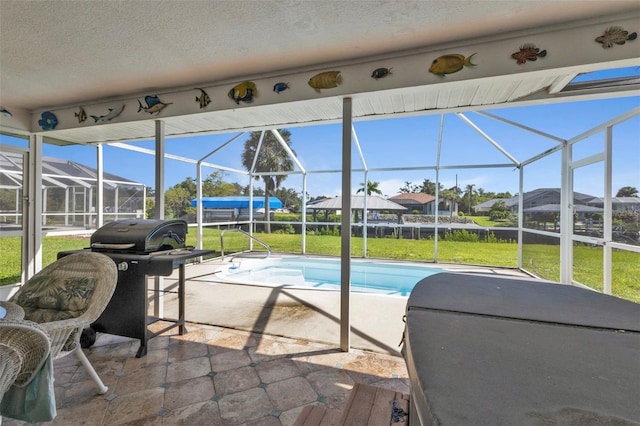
[(306, 314)]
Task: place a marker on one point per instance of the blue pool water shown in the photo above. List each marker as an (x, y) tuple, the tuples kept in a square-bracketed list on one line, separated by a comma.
[(372, 277)]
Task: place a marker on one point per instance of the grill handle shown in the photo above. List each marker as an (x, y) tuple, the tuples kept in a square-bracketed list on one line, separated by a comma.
[(113, 246)]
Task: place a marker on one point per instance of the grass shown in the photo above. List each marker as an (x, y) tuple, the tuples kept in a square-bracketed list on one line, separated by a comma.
[(542, 260)]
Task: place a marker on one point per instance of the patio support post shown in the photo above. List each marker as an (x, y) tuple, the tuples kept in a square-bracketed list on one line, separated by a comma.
[(158, 282), (45, 195), (159, 157), (520, 214), (437, 212), (566, 215), (345, 234), (66, 206), (356, 142), (608, 214), (199, 218), (34, 209), (100, 187), (304, 213)]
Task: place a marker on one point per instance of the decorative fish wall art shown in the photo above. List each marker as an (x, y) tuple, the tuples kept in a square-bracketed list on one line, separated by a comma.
[(5, 111), (244, 92), (528, 52), (80, 115), (448, 64), (615, 35), (325, 80), (113, 113), (280, 87), (203, 99), (154, 105), (48, 121), (381, 73)]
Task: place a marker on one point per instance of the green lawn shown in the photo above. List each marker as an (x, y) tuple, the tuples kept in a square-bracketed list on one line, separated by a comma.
[(542, 260)]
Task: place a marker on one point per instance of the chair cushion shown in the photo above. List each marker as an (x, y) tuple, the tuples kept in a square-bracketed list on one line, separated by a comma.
[(52, 298)]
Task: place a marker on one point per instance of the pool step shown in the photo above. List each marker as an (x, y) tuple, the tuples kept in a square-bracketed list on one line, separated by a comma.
[(367, 406)]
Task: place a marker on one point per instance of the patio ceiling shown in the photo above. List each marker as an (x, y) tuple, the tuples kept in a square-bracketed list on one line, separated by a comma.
[(60, 55)]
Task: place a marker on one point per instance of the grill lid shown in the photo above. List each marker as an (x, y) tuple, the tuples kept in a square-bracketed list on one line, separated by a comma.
[(140, 236)]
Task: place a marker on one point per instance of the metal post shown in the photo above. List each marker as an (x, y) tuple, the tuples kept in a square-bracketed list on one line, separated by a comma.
[(345, 246), (520, 216), (608, 213), (100, 187), (566, 216), (34, 196), (304, 213), (199, 212), (158, 301)]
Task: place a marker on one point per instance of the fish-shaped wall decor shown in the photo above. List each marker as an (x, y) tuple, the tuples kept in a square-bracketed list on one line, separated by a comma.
[(203, 99), (154, 105), (325, 80), (80, 115), (113, 113), (244, 92), (381, 72), (448, 64), (5, 111), (48, 121), (528, 52), (615, 35), (280, 87)]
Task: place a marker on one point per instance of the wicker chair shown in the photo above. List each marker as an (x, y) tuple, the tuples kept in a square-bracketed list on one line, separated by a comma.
[(24, 347), (67, 296)]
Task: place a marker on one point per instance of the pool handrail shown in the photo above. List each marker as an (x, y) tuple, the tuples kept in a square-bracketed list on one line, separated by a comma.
[(240, 230)]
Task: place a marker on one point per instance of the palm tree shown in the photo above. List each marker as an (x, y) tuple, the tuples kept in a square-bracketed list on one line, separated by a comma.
[(271, 158), (449, 196), (370, 187), (627, 191), (469, 190)]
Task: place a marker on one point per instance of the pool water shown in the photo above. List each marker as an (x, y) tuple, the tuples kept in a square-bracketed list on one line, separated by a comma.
[(366, 276)]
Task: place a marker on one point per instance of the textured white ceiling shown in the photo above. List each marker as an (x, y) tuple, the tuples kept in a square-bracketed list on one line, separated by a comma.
[(58, 53)]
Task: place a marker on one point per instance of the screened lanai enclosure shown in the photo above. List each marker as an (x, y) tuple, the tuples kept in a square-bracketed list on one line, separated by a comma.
[(69, 195), (547, 110)]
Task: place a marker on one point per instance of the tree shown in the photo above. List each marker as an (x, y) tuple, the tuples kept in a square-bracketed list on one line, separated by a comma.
[(271, 158), (291, 200), (469, 190), (627, 191), (449, 196), (370, 187), (429, 187)]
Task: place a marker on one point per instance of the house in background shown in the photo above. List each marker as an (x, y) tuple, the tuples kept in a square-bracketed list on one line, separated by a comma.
[(416, 202), (486, 206), (537, 198), (547, 200), (619, 204)]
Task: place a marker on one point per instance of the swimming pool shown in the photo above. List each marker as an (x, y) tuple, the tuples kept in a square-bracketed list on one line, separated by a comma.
[(366, 276)]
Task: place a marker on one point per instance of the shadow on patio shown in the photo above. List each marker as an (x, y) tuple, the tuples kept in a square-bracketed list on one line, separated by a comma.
[(214, 376)]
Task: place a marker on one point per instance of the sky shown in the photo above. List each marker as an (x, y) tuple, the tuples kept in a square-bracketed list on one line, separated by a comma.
[(413, 142)]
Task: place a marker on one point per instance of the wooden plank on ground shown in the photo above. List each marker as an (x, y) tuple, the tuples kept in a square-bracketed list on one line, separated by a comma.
[(381, 410), (315, 415), (356, 412), (311, 415), (402, 402)]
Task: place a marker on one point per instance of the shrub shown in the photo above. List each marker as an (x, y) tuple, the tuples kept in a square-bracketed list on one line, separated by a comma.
[(287, 228), (462, 236)]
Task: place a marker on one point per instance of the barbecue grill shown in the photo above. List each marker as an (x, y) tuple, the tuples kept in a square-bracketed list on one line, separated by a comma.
[(141, 248)]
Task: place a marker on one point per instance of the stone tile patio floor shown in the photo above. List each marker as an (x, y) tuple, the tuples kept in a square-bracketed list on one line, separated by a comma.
[(214, 376)]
